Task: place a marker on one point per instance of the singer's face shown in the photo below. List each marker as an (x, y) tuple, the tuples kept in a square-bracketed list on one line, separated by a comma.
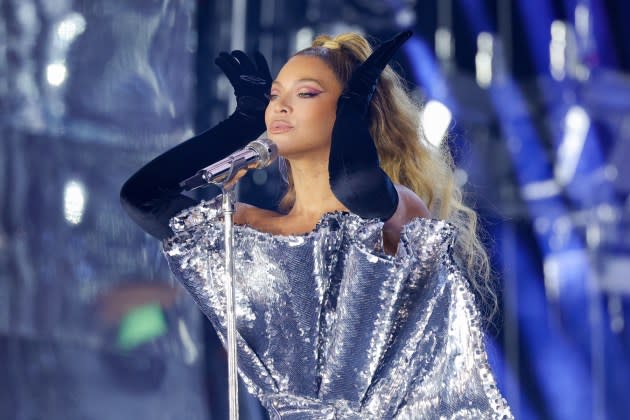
[(302, 107)]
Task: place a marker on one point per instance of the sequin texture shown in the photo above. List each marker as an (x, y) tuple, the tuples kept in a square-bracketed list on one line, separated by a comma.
[(331, 327)]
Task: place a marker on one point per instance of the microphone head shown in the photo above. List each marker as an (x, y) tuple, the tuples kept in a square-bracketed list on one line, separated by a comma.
[(266, 150)]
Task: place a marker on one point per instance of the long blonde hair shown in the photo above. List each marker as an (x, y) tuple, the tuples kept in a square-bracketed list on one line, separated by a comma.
[(408, 158)]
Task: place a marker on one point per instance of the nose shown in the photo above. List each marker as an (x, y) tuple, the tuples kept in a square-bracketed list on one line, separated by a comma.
[(280, 105)]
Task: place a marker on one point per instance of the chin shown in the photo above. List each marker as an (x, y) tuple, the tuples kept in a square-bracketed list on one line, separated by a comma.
[(280, 141)]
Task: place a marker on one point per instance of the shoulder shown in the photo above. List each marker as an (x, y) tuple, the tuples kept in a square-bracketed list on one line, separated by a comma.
[(409, 205)]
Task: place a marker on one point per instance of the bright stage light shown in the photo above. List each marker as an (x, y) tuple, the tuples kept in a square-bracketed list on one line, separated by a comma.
[(74, 198), (56, 73), (71, 27), (483, 59), (576, 126), (435, 120), (558, 49)]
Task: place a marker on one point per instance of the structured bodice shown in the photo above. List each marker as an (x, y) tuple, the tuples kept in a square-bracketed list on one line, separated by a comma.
[(329, 326)]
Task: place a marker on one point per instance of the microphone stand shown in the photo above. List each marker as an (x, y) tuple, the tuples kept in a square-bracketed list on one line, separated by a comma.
[(225, 174), (227, 188)]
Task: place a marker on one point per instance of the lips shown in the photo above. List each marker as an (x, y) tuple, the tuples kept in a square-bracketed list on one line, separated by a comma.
[(279, 126)]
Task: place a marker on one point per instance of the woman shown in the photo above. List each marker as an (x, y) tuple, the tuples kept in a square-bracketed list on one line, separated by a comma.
[(351, 303)]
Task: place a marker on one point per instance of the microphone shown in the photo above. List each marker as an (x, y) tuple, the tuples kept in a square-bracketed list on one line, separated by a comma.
[(257, 154)]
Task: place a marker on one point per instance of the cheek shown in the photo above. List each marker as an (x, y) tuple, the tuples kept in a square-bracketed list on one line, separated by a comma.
[(320, 129), (325, 117)]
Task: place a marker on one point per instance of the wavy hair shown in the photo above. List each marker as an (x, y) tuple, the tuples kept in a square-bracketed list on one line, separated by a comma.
[(408, 158)]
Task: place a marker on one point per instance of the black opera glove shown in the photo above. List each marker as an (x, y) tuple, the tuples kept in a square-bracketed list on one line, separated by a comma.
[(152, 195), (251, 81), (356, 177)]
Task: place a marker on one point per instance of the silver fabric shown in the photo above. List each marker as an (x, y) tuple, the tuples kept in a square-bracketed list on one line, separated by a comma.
[(331, 327)]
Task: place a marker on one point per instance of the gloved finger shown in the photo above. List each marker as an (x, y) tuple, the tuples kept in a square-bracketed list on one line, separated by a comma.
[(227, 58), (247, 66), (367, 74), (381, 56), (228, 65), (263, 67)]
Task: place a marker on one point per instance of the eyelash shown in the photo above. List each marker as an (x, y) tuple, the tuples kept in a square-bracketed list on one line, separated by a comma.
[(300, 94)]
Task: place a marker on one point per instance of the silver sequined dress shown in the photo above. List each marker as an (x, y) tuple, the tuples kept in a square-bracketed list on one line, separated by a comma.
[(331, 327)]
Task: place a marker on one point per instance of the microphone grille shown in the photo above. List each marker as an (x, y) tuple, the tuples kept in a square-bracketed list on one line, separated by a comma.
[(266, 149)]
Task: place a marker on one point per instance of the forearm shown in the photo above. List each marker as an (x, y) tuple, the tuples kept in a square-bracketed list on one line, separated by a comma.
[(356, 177), (367, 192), (152, 195)]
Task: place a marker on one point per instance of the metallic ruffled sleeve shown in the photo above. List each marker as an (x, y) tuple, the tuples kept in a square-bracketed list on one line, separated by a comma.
[(194, 254), (436, 364)]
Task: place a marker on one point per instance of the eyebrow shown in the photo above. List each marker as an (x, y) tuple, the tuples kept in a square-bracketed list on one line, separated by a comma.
[(275, 82)]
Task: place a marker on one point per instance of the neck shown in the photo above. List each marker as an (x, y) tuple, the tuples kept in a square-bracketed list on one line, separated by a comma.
[(313, 196)]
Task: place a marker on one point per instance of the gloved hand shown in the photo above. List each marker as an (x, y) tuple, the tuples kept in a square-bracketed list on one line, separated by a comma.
[(356, 177), (152, 195), (251, 81)]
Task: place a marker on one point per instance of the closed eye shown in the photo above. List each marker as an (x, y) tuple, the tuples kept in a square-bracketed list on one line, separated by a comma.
[(274, 96), (308, 94)]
